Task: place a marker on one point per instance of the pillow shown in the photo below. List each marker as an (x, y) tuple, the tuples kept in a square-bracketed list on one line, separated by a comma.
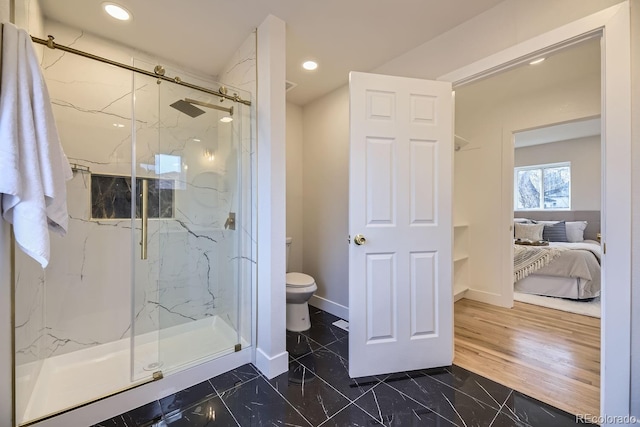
[(575, 231), (522, 220), (544, 222), (529, 231), (555, 233)]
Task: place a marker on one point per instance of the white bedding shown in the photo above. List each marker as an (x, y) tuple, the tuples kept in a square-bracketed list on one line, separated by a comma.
[(574, 274)]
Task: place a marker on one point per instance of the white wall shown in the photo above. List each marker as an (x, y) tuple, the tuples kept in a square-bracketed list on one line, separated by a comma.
[(635, 260), (326, 199), (271, 355), (507, 24), (585, 157), (295, 186)]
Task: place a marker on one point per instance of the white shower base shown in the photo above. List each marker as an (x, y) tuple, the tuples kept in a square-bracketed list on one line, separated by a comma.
[(82, 376)]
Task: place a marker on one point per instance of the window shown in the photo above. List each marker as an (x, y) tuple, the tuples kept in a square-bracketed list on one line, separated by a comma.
[(542, 187)]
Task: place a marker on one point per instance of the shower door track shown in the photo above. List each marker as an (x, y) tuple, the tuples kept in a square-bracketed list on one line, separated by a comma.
[(157, 73)]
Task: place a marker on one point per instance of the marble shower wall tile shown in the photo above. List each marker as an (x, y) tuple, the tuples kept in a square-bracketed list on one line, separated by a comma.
[(241, 72), (29, 306), (189, 267)]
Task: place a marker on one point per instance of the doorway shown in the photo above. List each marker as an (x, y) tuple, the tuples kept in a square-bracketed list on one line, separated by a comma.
[(564, 87)]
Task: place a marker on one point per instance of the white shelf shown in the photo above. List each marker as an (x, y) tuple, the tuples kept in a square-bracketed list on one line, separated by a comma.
[(460, 256)]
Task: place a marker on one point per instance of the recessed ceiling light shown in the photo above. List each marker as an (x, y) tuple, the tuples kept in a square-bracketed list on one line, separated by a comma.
[(116, 11), (537, 61), (310, 65), (226, 119)]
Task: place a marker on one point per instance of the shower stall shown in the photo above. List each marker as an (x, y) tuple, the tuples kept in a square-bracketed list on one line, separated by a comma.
[(151, 277)]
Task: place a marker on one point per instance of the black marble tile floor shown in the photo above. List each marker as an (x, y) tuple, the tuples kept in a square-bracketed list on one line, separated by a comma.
[(317, 391)]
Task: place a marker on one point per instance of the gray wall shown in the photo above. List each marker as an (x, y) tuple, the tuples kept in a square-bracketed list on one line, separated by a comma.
[(326, 199), (585, 157), (295, 186)]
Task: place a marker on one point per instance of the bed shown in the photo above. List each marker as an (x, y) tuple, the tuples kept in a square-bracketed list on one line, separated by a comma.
[(565, 269)]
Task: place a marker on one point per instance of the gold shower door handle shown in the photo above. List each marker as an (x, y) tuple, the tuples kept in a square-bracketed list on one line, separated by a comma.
[(145, 217), (359, 239)]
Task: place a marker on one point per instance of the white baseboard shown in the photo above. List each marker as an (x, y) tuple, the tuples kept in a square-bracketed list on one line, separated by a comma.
[(459, 293), (329, 306), (487, 297), (272, 366)]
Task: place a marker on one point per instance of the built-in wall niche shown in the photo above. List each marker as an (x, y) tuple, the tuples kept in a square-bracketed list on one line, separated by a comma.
[(111, 197)]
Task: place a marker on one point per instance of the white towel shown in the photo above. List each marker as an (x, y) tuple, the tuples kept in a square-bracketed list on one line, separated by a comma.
[(33, 167)]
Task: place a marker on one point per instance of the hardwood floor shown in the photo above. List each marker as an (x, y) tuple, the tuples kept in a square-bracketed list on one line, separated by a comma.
[(551, 355)]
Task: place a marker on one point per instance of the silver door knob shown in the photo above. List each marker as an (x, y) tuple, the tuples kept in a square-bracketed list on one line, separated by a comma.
[(359, 239)]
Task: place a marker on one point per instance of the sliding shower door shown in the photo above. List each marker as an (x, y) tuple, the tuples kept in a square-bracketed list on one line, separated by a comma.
[(188, 180)]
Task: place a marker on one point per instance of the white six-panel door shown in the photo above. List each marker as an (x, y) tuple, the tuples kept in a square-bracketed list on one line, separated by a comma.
[(400, 192)]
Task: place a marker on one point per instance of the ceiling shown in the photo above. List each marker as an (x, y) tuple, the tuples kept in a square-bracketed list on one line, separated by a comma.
[(579, 62), (342, 36), (569, 64), (558, 132)]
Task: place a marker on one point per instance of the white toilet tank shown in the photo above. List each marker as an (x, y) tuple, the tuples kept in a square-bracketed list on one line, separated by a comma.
[(289, 239)]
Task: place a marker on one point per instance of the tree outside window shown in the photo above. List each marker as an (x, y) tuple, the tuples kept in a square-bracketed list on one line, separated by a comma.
[(543, 187)]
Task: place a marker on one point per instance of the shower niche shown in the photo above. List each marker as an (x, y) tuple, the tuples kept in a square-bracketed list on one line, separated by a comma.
[(111, 197), (150, 279)]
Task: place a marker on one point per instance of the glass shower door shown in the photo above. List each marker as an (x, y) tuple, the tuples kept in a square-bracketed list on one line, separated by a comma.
[(188, 184)]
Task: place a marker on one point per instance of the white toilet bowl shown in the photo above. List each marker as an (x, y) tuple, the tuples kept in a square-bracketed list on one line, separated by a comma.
[(300, 288)]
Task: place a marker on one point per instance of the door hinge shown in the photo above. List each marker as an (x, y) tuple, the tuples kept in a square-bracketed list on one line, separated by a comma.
[(349, 239), (237, 347), (157, 375), (604, 248)]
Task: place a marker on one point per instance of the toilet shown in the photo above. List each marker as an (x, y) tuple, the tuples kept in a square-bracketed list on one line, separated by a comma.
[(300, 288)]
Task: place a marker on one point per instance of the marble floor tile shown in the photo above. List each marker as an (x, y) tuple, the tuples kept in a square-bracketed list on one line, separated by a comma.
[(309, 394), (324, 334), (146, 415), (256, 403), (210, 412), (340, 347), (483, 389), (233, 378), (527, 411), (317, 315), (335, 370), (113, 422), (299, 345), (447, 402), (351, 416), (185, 398), (392, 408)]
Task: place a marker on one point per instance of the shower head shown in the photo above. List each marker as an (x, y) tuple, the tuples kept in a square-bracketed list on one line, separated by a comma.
[(187, 108)]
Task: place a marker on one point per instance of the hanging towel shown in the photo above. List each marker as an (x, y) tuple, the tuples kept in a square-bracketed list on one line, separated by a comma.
[(33, 167)]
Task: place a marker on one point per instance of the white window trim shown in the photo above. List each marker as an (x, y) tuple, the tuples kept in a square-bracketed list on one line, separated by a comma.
[(541, 167)]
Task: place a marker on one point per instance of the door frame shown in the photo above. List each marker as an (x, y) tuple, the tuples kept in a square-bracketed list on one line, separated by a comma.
[(613, 26)]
